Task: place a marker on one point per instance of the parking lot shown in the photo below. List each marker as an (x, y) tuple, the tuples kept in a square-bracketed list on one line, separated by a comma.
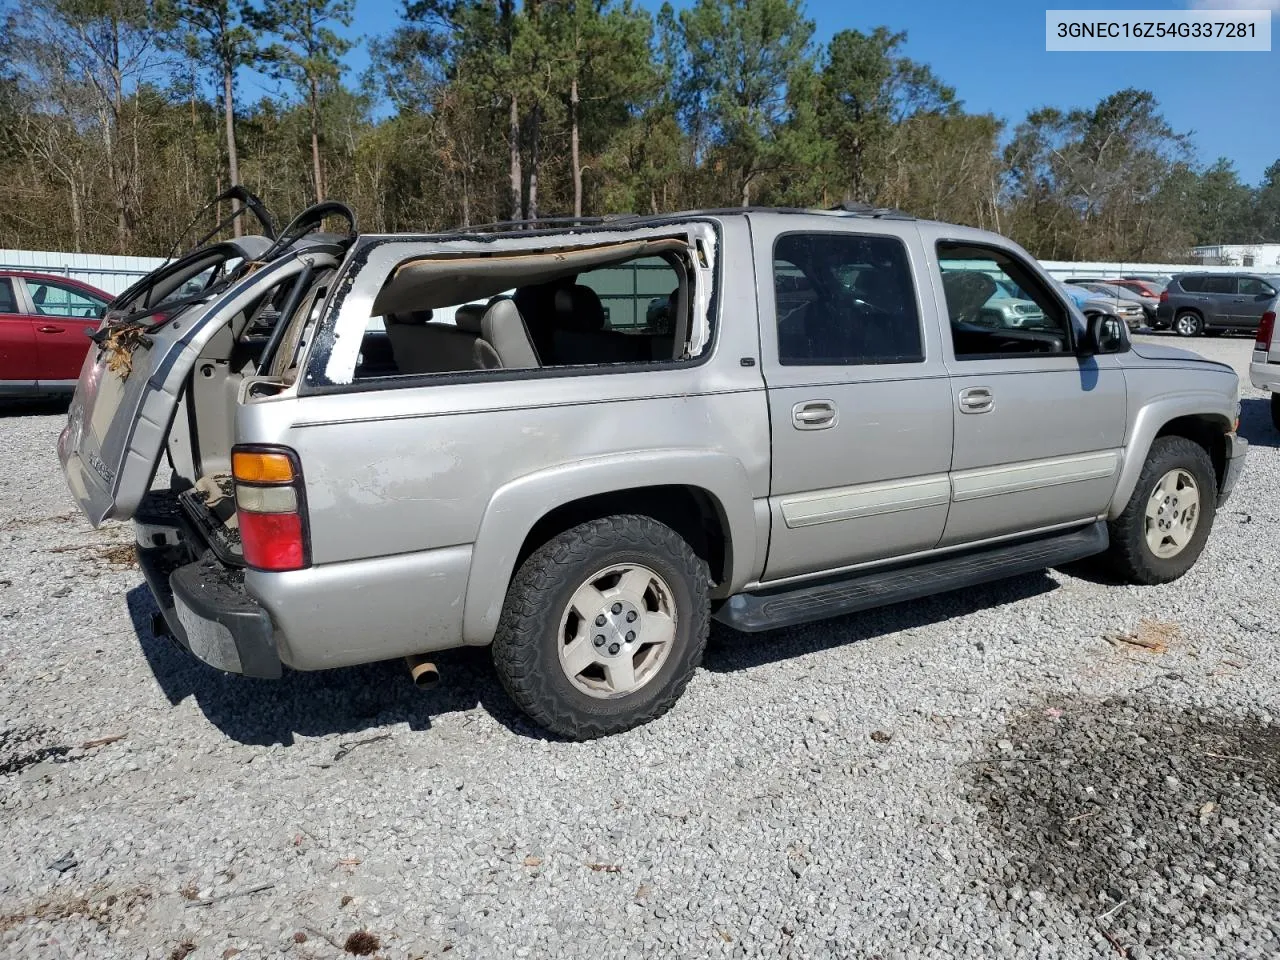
[(1050, 766)]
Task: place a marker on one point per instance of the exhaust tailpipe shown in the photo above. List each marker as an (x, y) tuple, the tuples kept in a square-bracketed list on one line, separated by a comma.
[(423, 671)]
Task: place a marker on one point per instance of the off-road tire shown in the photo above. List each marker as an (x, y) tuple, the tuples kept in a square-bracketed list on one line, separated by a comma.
[(525, 651), (1275, 410), (1131, 558)]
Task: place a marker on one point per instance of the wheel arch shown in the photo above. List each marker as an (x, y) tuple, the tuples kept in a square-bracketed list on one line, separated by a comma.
[(1205, 418), (704, 496)]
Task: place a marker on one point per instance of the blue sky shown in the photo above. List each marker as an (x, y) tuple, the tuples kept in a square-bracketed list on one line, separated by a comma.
[(992, 52)]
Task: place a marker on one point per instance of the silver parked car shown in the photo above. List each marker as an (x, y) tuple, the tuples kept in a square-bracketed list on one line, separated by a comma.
[(1264, 368), (822, 424)]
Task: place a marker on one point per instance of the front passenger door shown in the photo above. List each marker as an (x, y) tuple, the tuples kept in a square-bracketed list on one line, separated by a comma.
[(858, 396), (66, 315), (1038, 430), (1251, 304)]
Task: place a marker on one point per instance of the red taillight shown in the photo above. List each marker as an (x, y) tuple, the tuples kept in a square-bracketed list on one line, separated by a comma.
[(272, 541), (1265, 329), (1164, 296), (270, 508)]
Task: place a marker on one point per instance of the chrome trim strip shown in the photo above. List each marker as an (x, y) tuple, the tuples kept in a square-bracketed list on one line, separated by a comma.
[(1033, 475), (918, 555), (865, 500)]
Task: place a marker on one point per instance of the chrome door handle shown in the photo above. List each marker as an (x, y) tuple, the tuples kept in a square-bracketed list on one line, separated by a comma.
[(976, 400), (49, 329), (814, 415)]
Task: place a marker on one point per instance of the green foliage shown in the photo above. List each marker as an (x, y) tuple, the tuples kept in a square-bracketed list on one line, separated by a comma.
[(737, 62), (119, 118)]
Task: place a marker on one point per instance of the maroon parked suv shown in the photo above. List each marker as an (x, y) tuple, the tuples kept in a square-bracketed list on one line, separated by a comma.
[(44, 322)]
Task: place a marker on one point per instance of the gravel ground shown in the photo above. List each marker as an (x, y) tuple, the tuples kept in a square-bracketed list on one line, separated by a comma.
[(981, 774)]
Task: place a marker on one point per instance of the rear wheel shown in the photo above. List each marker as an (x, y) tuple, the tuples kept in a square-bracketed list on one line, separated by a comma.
[(1188, 324), (1166, 523), (603, 626)]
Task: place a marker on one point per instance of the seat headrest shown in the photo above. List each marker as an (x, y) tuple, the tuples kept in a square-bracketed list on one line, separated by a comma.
[(966, 291), (579, 308), (468, 317), (412, 317), (504, 328)]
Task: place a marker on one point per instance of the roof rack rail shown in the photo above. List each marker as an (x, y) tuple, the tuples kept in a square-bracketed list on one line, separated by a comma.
[(868, 210), (540, 222)]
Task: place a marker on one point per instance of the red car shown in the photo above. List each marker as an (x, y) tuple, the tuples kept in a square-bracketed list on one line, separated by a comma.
[(1143, 288), (44, 327)]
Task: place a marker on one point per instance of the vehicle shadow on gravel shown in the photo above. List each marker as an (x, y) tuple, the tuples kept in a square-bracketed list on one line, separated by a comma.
[(36, 407), (323, 702), (1154, 825), (1256, 425), (730, 650)]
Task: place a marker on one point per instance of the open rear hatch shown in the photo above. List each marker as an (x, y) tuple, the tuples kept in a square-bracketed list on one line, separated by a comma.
[(130, 385)]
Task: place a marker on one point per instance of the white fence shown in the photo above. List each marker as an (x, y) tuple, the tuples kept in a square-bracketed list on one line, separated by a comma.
[(1063, 269), (109, 273), (114, 274)]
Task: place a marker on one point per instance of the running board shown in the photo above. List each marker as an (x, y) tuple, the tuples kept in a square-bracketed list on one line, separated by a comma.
[(753, 612)]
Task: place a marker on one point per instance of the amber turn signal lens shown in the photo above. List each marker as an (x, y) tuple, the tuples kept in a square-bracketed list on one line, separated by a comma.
[(251, 467)]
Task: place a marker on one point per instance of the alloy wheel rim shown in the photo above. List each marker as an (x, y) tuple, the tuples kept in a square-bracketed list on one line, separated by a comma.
[(617, 631), (1186, 325), (1172, 514)]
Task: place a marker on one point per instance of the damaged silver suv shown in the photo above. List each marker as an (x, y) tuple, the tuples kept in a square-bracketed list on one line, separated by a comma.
[(388, 445)]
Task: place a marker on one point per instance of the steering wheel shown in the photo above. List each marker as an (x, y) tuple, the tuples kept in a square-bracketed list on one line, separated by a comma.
[(307, 221)]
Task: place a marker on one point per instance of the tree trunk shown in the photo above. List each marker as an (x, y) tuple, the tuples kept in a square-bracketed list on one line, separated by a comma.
[(746, 190), (77, 217), (513, 143), (115, 166), (233, 158), (315, 140), (466, 199), (535, 123), (573, 147)]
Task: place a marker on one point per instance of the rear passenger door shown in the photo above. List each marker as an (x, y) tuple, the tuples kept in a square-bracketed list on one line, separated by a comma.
[(17, 341), (1038, 430), (1219, 293), (859, 398)]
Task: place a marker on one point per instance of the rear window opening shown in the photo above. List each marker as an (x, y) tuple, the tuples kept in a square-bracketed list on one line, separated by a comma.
[(620, 303)]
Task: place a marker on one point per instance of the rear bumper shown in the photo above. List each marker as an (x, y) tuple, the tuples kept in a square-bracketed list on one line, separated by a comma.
[(210, 615), (1237, 447), (204, 602), (1264, 375)]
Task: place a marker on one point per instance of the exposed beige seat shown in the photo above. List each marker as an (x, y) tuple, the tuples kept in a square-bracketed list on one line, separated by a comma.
[(420, 346), (504, 328)]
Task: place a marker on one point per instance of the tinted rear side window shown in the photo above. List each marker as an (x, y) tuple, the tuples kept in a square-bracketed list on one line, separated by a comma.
[(845, 299), (1192, 284), (1219, 284), (8, 304)]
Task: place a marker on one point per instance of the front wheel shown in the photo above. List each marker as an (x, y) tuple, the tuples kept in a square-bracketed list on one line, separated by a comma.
[(1165, 525), (1188, 324), (603, 626)]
